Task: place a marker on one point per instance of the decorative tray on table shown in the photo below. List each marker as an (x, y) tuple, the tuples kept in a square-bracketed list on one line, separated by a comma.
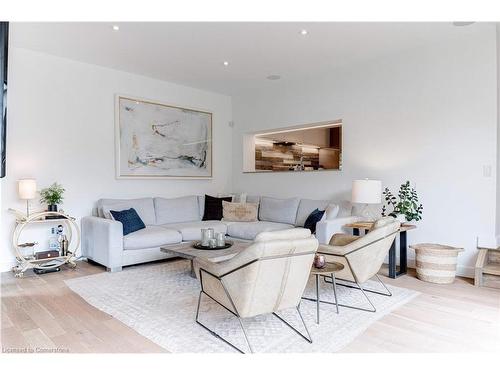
[(199, 246)]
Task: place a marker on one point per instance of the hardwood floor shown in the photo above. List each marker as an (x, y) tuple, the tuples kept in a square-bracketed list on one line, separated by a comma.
[(41, 312)]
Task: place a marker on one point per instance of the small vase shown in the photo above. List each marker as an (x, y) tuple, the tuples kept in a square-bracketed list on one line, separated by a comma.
[(52, 208), (319, 261)]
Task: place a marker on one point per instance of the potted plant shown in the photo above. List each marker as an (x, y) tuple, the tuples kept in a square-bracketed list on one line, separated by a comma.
[(406, 206), (52, 196)]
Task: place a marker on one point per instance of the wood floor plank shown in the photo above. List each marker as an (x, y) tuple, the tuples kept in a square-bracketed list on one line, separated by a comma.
[(38, 340), (12, 338), (43, 311)]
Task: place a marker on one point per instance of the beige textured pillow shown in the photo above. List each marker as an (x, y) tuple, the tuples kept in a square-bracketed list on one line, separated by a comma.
[(239, 211)]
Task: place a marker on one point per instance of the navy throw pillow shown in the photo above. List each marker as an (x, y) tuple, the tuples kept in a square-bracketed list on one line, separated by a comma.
[(313, 219), (213, 207), (130, 219)]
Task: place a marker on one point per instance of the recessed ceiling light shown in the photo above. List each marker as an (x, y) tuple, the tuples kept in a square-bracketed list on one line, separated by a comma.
[(273, 77), (463, 23), (226, 63), (303, 32), (116, 27)]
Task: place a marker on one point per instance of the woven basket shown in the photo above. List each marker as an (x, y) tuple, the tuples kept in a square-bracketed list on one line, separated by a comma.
[(436, 263)]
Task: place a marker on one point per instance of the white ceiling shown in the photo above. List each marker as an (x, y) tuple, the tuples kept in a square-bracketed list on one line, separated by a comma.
[(193, 53)]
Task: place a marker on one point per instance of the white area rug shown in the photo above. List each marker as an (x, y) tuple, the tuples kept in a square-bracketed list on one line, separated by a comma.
[(159, 302)]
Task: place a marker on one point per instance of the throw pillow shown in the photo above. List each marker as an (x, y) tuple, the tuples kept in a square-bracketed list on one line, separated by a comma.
[(332, 211), (213, 207), (239, 211), (130, 220), (313, 219)]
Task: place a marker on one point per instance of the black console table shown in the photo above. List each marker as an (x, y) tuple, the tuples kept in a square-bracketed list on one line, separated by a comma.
[(403, 246)]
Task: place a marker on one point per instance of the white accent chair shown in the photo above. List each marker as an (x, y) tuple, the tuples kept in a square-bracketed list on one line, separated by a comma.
[(268, 277), (362, 257)]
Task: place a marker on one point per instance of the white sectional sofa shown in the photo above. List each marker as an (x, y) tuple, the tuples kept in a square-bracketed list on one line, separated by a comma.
[(174, 220)]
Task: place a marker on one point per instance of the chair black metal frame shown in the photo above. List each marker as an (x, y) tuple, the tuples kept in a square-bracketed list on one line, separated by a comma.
[(235, 312)]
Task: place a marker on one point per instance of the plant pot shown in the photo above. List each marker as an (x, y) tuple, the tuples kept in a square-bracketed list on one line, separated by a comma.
[(52, 208), (401, 218)]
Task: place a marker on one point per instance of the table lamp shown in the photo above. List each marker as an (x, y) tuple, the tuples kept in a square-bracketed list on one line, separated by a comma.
[(367, 192), (26, 189)]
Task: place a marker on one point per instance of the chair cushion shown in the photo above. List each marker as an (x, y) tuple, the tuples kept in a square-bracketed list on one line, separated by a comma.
[(249, 230), (306, 206), (279, 210), (176, 210), (143, 206), (131, 222), (192, 231), (213, 207), (151, 236), (313, 219)]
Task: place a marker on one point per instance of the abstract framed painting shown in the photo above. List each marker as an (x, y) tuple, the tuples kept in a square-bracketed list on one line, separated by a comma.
[(156, 140)]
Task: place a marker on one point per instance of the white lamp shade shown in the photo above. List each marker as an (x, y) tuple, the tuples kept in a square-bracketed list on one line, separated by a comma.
[(26, 188), (366, 191)]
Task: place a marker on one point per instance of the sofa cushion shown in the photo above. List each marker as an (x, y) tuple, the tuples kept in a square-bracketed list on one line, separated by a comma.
[(313, 219), (306, 206), (346, 209), (252, 199), (131, 222), (143, 206), (201, 205), (176, 210), (331, 211), (279, 210), (151, 236), (213, 207), (249, 230), (239, 211), (192, 231)]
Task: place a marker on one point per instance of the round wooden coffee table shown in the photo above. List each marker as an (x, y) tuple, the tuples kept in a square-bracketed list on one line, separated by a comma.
[(328, 270)]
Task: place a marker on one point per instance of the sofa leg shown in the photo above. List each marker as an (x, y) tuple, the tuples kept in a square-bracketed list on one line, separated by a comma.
[(114, 269)]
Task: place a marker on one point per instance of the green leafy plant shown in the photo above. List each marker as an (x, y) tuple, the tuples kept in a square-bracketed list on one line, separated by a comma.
[(407, 204), (52, 195)]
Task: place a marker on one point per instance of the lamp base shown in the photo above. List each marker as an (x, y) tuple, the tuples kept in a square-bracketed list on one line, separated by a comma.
[(367, 214)]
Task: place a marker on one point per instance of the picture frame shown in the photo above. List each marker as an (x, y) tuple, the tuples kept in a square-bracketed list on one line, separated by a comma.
[(155, 140)]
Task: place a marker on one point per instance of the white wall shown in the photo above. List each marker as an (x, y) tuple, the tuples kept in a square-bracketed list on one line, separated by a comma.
[(426, 115), (61, 128), (498, 135)]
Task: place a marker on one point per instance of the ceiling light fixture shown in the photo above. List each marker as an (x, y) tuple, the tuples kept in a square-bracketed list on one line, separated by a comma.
[(226, 63), (116, 27), (273, 77), (463, 23), (303, 32)]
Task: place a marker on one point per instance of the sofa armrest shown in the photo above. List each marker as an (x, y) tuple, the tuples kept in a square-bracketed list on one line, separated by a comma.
[(102, 241), (325, 229)]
